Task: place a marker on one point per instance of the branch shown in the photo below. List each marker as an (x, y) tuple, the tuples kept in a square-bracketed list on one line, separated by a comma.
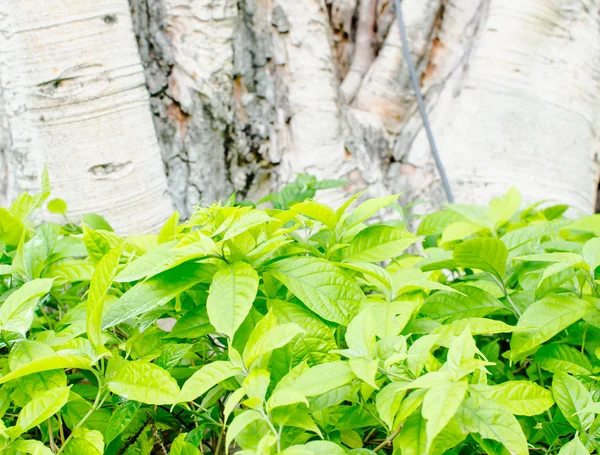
[(389, 439)]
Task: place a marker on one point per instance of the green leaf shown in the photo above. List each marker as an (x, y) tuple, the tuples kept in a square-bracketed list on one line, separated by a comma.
[(181, 447), (42, 408), (153, 293), (69, 271), (367, 209), (323, 378), (493, 422), (57, 206), (66, 361), (503, 208), (231, 295), (11, 228), (240, 422), (591, 253), (378, 243), (574, 447), (485, 253), (388, 402), (572, 397), (99, 242), (544, 319), (519, 237), (360, 335), (96, 222), (169, 229), (30, 446), (561, 357), (101, 282), (206, 378), (316, 211), (16, 313), (144, 382), (321, 286), (120, 419), (317, 341), (440, 405), (167, 256), (519, 397), (193, 324), (272, 339), (85, 442), (471, 302), (413, 436), (435, 223)]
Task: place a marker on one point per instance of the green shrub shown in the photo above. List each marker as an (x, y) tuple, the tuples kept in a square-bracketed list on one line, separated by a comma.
[(301, 330)]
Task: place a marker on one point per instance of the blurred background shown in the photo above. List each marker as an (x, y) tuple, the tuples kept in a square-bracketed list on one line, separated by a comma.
[(138, 107)]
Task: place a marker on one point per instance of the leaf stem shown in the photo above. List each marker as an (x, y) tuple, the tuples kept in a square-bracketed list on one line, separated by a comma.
[(387, 441)]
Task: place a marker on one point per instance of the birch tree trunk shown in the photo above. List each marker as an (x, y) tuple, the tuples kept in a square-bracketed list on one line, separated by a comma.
[(244, 94), (75, 99)]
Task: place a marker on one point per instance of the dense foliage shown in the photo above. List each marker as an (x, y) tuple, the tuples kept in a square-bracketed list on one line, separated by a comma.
[(301, 330)]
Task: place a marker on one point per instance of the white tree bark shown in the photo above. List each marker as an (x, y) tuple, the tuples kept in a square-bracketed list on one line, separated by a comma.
[(514, 92), (247, 93), (76, 100)]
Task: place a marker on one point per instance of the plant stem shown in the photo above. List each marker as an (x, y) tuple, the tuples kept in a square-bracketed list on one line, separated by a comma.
[(505, 291), (98, 402), (387, 441)]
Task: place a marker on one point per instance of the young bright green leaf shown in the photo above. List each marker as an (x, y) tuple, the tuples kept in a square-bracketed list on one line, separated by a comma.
[(169, 229), (413, 436), (388, 401), (317, 211), (360, 335), (16, 313), (519, 397), (240, 422), (365, 370), (285, 397), (42, 408), (321, 286), (317, 342), (503, 208), (493, 422), (561, 357), (206, 378), (440, 405), (472, 302), (435, 223), (11, 228), (485, 253), (574, 447), (144, 382), (231, 295), (99, 242), (378, 243), (85, 442), (274, 338), (323, 378), (30, 446), (102, 279), (153, 293), (66, 361), (57, 206), (572, 397), (181, 447), (544, 319), (591, 253), (367, 209), (193, 324)]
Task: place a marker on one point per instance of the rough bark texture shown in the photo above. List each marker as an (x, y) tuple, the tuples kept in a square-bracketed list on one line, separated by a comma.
[(247, 93), (75, 99)]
